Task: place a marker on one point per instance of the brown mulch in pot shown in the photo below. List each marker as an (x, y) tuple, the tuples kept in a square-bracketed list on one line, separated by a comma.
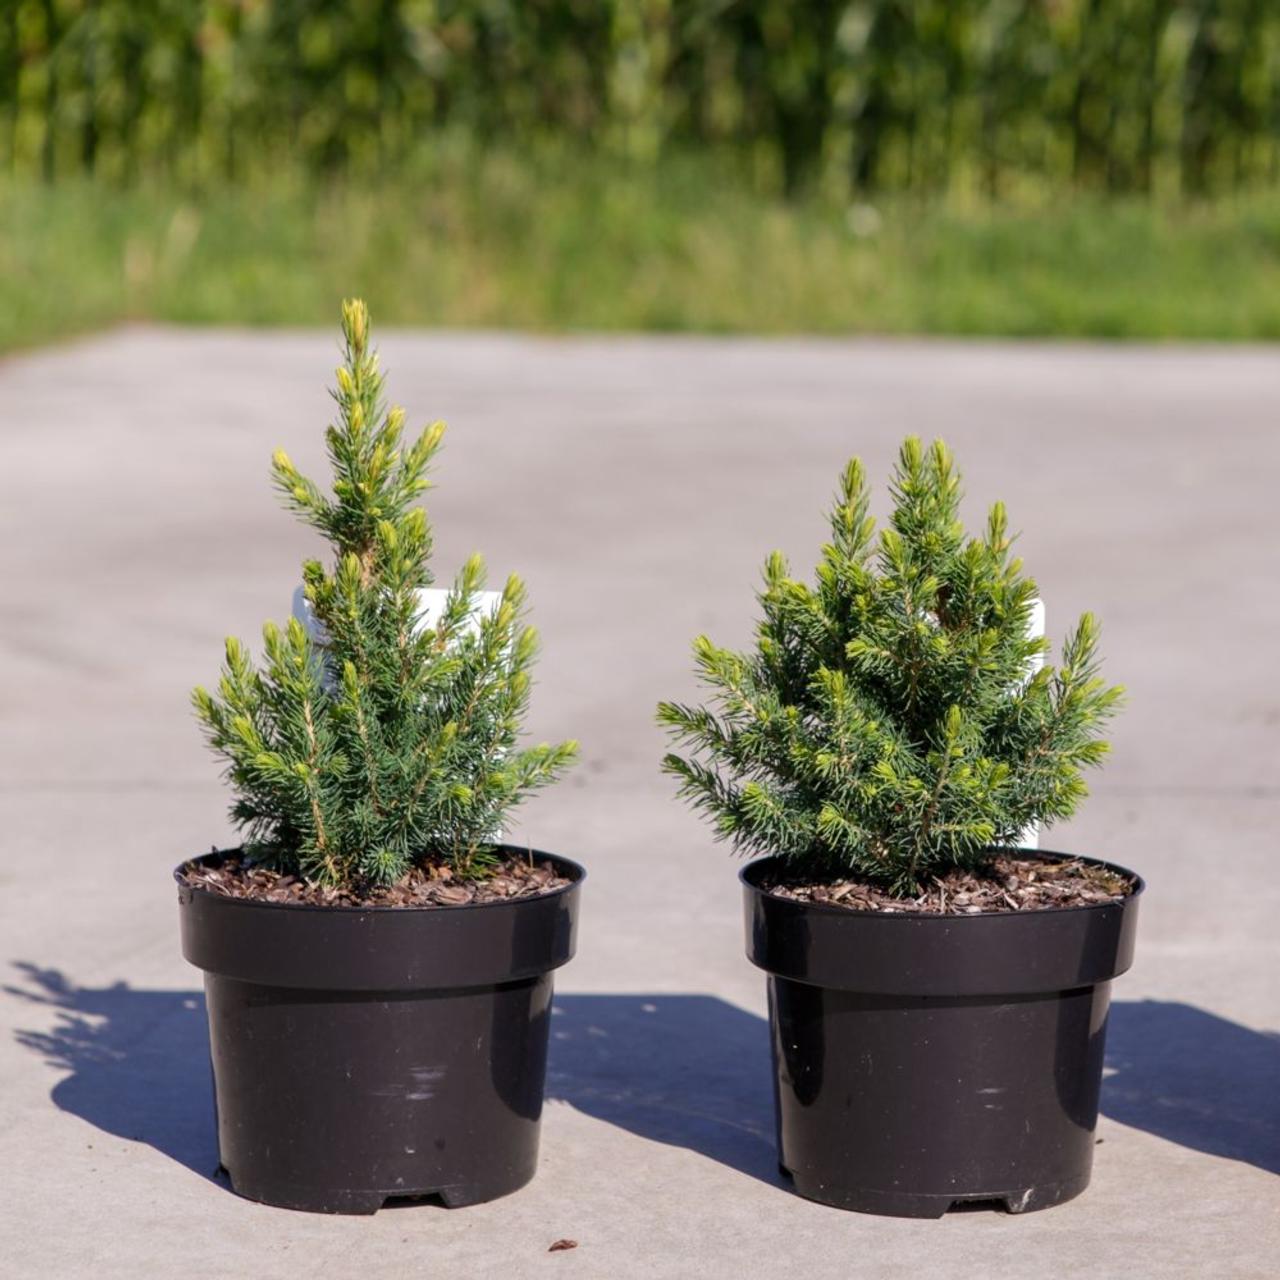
[(515, 877), (1008, 883)]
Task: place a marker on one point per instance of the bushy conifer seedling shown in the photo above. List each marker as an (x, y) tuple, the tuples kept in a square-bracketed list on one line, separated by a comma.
[(390, 744), (889, 723)]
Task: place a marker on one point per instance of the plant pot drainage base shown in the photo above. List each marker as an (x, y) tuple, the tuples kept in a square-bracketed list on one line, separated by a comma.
[(347, 1201), (904, 1205)]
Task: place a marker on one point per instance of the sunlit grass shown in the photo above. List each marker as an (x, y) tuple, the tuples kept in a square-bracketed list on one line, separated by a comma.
[(498, 243)]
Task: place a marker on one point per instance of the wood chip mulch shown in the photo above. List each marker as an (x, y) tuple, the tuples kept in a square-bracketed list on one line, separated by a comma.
[(437, 887), (1007, 884)]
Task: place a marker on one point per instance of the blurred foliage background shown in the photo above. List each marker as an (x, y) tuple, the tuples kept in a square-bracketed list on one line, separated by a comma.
[(1097, 167)]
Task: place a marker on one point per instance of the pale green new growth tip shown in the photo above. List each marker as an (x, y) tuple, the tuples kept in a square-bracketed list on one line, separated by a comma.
[(394, 744), (888, 723)]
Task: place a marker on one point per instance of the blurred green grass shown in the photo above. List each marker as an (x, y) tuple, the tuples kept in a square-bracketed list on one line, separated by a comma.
[(499, 243)]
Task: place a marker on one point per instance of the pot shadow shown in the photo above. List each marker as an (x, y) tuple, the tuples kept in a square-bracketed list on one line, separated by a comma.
[(138, 1062), (689, 1071), (693, 1071), (1193, 1078), (686, 1070)]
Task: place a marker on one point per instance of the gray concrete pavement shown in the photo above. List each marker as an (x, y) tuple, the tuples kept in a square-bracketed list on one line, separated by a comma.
[(637, 484)]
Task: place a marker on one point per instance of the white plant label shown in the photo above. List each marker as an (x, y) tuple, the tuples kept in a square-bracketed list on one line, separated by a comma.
[(1030, 838), (431, 603)]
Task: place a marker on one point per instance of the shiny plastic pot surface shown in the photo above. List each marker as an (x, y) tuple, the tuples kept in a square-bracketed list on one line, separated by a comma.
[(364, 1053), (925, 1060)]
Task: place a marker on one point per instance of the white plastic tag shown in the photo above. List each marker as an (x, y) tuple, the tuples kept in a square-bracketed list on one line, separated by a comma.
[(1030, 838), (431, 603)]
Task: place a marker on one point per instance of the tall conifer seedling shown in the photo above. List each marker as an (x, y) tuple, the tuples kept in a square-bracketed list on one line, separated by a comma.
[(388, 744), (888, 724)]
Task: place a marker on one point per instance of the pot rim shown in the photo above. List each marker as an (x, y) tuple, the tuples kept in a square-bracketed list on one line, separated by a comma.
[(576, 871), (757, 865)]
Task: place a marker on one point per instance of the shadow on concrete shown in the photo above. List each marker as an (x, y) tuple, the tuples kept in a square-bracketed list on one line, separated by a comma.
[(693, 1071), (138, 1062), (690, 1071), (687, 1070), (1195, 1079)]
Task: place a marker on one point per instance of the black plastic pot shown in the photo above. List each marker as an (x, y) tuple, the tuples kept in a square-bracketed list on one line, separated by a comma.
[(365, 1053), (926, 1060)]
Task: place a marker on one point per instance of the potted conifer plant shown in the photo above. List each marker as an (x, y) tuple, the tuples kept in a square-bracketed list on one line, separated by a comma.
[(937, 994), (378, 965)]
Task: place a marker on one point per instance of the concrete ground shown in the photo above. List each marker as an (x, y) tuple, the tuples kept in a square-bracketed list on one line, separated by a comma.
[(638, 485)]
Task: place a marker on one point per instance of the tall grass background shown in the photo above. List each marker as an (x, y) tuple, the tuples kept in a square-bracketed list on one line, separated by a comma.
[(1082, 167)]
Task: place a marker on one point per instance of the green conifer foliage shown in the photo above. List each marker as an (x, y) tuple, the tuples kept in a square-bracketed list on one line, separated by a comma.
[(390, 744), (888, 724)]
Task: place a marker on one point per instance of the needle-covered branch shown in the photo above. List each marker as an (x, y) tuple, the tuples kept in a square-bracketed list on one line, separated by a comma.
[(889, 721), (388, 744)]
